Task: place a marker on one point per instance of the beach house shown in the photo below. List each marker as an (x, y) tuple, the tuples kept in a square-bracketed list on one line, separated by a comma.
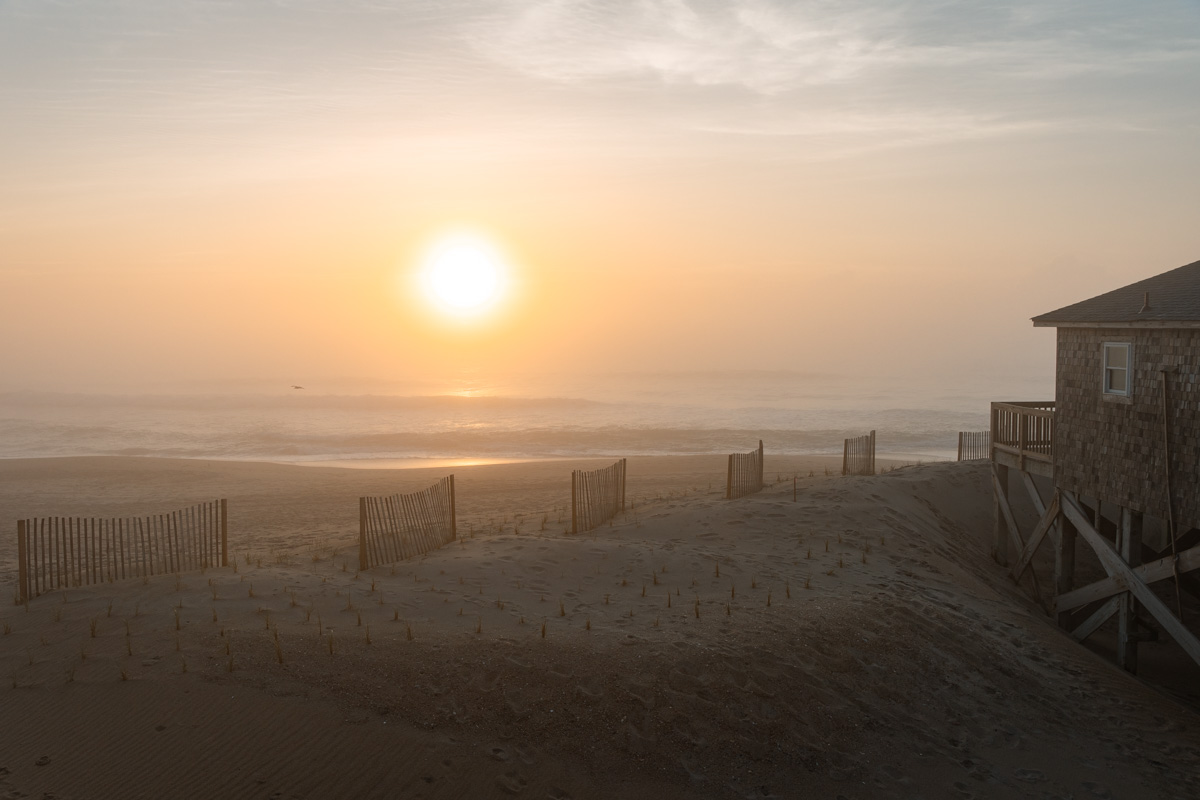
[(1120, 445)]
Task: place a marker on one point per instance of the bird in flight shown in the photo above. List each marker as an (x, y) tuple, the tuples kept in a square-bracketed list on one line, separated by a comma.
[(297, 387)]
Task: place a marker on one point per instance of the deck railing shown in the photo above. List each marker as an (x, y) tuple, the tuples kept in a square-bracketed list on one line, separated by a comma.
[(1024, 429)]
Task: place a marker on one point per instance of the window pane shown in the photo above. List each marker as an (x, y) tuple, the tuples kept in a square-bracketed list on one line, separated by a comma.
[(1116, 355), (1116, 380)]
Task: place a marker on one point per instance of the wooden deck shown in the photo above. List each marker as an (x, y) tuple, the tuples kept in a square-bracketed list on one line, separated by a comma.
[(1023, 436), (1023, 439)]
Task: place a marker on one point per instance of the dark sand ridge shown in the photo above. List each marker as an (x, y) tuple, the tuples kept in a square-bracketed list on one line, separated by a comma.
[(897, 663)]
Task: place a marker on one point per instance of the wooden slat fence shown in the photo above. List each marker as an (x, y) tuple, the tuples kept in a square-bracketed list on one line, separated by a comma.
[(401, 526), (63, 552), (858, 455), (745, 473), (974, 445), (596, 496)]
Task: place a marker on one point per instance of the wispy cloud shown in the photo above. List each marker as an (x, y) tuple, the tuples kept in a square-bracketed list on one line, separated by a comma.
[(763, 46), (769, 46)]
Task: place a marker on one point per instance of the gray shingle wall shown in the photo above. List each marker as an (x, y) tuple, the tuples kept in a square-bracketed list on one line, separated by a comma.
[(1113, 448)]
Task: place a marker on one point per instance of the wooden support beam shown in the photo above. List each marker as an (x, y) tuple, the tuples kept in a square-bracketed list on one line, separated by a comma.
[(1001, 500), (1049, 517), (1035, 496), (1129, 547), (1115, 567), (1001, 512), (1064, 566), (1150, 572), (1101, 615)]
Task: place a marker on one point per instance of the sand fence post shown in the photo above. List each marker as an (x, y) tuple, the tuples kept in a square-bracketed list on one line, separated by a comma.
[(453, 520), (224, 534), (761, 469), (872, 453), (362, 533), (23, 567), (624, 467), (574, 502)]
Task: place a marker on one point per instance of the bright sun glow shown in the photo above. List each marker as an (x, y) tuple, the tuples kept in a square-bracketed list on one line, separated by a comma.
[(464, 275)]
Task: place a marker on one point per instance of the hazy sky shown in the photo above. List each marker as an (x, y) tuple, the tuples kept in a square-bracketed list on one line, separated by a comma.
[(200, 192)]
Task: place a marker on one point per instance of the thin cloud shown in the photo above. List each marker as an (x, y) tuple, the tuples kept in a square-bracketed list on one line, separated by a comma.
[(771, 47)]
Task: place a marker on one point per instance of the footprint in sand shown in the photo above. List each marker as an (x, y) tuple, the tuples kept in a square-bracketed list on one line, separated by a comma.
[(1030, 775), (511, 783)]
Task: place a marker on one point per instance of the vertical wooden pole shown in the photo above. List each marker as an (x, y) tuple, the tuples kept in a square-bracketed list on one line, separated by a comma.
[(453, 517), (362, 533), (1000, 528), (761, 472), (1129, 545), (845, 455), (1064, 562), (960, 446), (574, 500), (22, 564), (224, 535), (729, 478), (624, 470), (872, 472)]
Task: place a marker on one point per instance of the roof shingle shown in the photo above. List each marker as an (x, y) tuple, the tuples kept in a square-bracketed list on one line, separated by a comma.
[(1174, 297)]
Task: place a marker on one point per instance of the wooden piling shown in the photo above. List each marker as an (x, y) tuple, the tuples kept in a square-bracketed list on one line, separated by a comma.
[(1129, 547), (1000, 532)]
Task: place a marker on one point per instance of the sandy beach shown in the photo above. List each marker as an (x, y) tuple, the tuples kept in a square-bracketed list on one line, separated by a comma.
[(858, 642)]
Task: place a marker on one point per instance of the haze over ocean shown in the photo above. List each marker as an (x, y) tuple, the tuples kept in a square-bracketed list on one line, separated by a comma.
[(679, 413)]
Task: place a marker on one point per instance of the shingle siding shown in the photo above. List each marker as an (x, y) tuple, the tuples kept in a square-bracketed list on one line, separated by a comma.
[(1113, 447)]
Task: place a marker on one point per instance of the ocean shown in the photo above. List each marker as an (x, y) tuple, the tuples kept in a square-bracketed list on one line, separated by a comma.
[(472, 421)]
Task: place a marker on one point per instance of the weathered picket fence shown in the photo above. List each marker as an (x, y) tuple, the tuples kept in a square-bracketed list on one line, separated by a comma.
[(858, 455), (596, 496), (401, 526), (62, 552), (745, 473), (974, 445)]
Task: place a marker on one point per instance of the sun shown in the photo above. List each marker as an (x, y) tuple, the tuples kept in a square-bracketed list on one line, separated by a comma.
[(464, 275)]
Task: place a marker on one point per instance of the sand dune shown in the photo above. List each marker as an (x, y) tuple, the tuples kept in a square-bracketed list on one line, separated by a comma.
[(858, 642)]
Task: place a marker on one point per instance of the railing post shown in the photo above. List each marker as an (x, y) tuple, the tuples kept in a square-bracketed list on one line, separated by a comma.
[(1022, 439)]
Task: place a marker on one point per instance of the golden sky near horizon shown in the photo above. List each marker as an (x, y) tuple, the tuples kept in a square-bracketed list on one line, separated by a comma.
[(199, 192)]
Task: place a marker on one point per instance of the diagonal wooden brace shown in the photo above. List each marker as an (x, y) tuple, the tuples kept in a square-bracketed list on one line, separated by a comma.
[(1151, 571), (1014, 532), (1049, 516), (1117, 568), (1102, 615)]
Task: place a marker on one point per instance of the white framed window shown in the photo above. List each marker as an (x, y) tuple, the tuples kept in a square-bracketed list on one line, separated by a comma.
[(1118, 368)]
